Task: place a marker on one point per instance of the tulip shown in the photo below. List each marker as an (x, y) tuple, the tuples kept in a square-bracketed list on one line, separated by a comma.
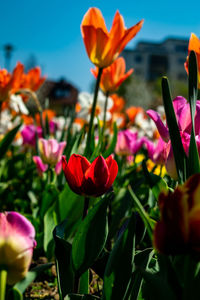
[(132, 112), (104, 47), (16, 245), (157, 153), (8, 81), (41, 167), (113, 76), (182, 112), (128, 143), (33, 80), (29, 134), (194, 44), (178, 231), (50, 155), (90, 179), (51, 151)]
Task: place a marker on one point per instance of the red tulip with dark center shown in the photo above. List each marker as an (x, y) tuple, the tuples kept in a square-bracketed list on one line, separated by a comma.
[(90, 179)]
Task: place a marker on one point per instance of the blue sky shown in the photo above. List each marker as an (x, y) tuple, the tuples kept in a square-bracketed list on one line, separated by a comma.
[(50, 30)]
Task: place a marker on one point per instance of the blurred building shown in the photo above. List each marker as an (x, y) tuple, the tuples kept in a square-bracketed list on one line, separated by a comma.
[(153, 60), (60, 94)]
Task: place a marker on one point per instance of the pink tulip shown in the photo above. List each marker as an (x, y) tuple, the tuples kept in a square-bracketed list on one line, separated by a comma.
[(39, 164), (157, 153), (29, 134), (16, 245), (128, 143), (51, 151), (182, 112), (50, 155)]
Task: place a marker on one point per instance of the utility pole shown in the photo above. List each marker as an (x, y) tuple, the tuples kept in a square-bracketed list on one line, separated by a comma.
[(8, 50)]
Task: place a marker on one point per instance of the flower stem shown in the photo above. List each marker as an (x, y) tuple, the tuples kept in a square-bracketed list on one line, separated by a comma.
[(3, 277), (85, 212), (87, 148), (85, 209), (104, 120)]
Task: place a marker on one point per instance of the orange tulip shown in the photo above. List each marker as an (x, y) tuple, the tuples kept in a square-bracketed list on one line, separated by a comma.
[(104, 47), (33, 79), (132, 112), (118, 103), (194, 44), (9, 82), (47, 113), (113, 76)]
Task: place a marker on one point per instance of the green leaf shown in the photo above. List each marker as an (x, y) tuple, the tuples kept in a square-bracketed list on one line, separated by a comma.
[(7, 140), (84, 283), (73, 143), (70, 207), (193, 160), (50, 221), (141, 261), (63, 249), (111, 148), (156, 183), (148, 222), (80, 297), (156, 288), (120, 264), (49, 196), (178, 150), (14, 294), (90, 237), (120, 207)]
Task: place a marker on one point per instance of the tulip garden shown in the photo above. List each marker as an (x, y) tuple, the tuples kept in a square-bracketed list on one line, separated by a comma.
[(102, 202)]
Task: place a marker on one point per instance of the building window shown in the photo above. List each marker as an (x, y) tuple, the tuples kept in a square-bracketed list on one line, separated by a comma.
[(138, 58), (61, 93), (181, 61), (181, 48), (158, 66)]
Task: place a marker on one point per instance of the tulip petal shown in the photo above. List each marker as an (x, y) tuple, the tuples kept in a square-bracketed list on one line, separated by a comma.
[(39, 164), (113, 170), (98, 172), (93, 17), (164, 133), (74, 171), (129, 34)]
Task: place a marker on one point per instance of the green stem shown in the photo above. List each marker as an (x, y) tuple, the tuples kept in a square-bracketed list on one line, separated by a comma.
[(3, 277), (104, 122), (85, 209), (50, 175), (85, 212), (87, 149), (104, 116)]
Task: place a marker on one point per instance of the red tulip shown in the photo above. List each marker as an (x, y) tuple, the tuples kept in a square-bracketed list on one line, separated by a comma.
[(90, 179)]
